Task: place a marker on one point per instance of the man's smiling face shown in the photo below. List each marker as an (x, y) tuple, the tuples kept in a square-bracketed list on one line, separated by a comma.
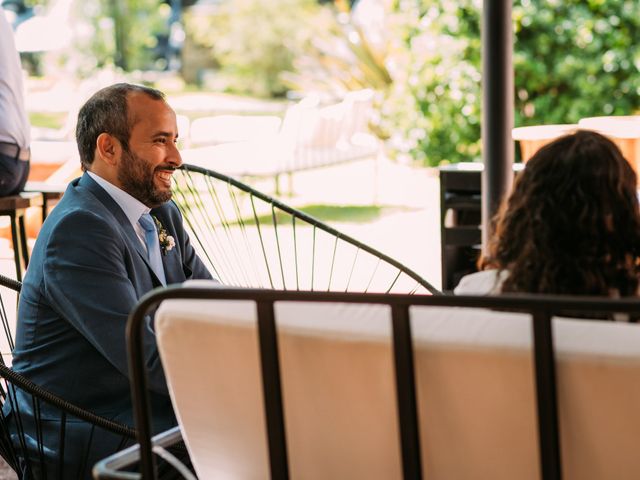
[(147, 165)]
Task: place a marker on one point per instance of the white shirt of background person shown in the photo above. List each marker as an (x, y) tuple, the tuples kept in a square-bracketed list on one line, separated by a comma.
[(14, 123)]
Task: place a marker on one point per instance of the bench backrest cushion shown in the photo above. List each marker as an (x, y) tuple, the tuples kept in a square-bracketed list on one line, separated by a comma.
[(475, 387)]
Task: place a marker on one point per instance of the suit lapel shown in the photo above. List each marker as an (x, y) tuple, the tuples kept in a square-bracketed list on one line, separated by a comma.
[(121, 219), (172, 267), (171, 260)]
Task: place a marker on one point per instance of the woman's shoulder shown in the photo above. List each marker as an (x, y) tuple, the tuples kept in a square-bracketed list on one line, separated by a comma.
[(485, 282)]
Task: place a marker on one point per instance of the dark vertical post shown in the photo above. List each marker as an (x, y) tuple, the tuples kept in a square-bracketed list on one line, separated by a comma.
[(139, 388), (547, 397), (17, 245), (120, 31), (176, 10), (174, 44), (272, 388), (406, 392), (497, 107)]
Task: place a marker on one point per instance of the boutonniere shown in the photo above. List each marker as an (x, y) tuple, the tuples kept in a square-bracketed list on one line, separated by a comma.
[(166, 241)]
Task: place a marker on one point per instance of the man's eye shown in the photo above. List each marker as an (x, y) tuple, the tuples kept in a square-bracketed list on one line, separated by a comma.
[(161, 140)]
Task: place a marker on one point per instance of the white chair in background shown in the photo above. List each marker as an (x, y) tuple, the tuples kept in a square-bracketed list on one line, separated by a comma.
[(232, 128), (309, 136)]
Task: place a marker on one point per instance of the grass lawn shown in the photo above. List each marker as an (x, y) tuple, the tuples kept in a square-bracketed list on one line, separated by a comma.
[(53, 120), (338, 213)]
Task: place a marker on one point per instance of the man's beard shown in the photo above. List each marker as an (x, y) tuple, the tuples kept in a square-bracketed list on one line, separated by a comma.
[(137, 180)]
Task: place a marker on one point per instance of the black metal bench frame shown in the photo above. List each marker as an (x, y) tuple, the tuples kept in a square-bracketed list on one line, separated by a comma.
[(542, 309)]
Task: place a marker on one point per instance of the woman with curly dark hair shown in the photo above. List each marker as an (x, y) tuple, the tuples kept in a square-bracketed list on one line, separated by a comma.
[(570, 226)]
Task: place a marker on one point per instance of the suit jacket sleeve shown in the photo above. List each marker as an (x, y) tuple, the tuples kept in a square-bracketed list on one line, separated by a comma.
[(88, 280)]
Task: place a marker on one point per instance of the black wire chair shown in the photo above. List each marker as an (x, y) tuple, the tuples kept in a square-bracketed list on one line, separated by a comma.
[(38, 432), (249, 239)]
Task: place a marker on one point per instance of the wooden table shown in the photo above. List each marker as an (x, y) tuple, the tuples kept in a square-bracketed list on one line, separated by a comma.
[(624, 131), (15, 207)]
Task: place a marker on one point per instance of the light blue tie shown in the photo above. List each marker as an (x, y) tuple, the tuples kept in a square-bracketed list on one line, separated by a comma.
[(153, 245)]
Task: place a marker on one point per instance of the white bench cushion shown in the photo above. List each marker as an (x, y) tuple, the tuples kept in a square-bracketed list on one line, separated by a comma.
[(475, 385)]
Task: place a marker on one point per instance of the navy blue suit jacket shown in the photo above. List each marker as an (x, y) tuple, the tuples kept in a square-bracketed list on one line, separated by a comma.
[(87, 271)]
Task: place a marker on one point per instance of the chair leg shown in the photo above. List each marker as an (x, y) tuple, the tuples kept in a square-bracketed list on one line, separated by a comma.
[(17, 246), (290, 183), (377, 159), (23, 239)]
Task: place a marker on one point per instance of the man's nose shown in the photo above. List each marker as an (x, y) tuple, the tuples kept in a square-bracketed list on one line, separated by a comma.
[(174, 156)]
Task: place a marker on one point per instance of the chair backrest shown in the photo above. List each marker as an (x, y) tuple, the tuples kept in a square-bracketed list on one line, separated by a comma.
[(41, 434), (233, 128), (299, 120), (360, 107), (338, 389), (334, 134), (476, 393), (486, 399), (184, 129), (325, 128), (330, 126), (250, 239)]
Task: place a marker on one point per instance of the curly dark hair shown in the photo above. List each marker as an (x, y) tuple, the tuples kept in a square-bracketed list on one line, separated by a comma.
[(571, 224)]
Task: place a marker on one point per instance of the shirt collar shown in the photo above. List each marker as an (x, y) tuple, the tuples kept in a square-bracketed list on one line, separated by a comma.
[(132, 207)]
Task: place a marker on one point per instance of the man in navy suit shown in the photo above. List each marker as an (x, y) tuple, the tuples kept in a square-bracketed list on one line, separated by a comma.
[(92, 262)]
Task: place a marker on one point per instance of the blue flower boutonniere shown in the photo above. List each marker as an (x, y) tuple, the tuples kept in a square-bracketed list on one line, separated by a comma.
[(166, 241)]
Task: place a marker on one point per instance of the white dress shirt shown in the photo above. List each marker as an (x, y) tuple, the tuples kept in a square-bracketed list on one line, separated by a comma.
[(132, 207), (14, 124), (484, 282)]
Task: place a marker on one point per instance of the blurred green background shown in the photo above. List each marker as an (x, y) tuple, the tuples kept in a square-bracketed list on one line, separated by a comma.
[(572, 58)]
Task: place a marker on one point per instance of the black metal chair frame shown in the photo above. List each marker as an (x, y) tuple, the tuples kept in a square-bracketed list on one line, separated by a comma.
[(11, 381), (15, 207), (542, 308), (51, 194), (35, 194), (461, 237), (182, 197)]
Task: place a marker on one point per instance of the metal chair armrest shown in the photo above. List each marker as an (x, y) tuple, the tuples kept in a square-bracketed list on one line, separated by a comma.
[(110, 468)]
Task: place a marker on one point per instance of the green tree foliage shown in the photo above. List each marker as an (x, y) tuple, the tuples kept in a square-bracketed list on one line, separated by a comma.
[(572, 59), (575, 59), (120, 32), (339, 57), (254, 41), (432, 112), (425, 69)]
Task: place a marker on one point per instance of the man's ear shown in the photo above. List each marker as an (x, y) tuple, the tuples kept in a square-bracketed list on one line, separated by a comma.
[(108, 148)]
